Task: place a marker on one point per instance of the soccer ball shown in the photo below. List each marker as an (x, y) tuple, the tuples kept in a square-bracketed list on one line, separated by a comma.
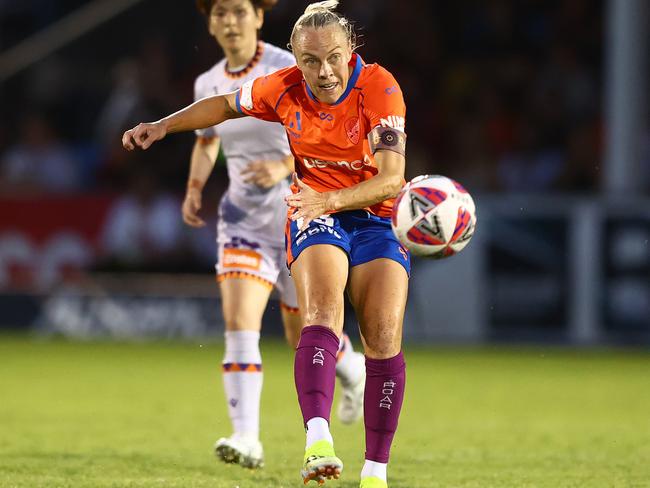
[(434, 216)]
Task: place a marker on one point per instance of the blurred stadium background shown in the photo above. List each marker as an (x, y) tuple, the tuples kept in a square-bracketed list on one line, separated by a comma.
[(539, 107)]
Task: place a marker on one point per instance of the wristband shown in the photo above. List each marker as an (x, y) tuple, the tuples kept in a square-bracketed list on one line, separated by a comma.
[(195, 184)]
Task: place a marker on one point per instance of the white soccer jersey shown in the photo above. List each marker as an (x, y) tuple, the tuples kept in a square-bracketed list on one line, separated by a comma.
[(245, 140)]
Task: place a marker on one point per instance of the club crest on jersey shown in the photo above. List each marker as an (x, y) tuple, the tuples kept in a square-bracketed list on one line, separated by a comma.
[(352, 129)]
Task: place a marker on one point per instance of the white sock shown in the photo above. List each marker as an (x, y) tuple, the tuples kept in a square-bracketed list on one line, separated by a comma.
[(372, 468), (242, 381), (350, 365), (317, 430)]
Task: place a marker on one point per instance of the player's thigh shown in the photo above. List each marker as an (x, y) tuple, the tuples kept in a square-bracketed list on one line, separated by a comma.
[(243, 300), (378, 291), (247, 268), (320, 273)]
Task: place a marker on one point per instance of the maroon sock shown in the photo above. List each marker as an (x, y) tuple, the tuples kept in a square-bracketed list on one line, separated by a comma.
[(382, 402), (314, 371)]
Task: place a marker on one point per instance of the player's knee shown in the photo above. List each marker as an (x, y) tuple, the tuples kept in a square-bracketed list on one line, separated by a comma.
[(383, 341), (382, 351), (325, 316)]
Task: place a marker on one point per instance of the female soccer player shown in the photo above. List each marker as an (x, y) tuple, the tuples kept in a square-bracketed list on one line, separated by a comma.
[(345, 123), (252, 214)]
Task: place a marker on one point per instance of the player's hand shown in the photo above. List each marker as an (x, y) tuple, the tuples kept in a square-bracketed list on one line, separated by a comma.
[(309, 203), (143, 135), (191, 207), (265, 174)]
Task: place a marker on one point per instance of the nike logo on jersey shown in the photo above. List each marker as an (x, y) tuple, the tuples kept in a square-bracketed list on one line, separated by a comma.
[(393, 121)]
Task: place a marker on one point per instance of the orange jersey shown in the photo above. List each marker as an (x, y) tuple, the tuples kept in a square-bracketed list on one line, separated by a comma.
[(329, 142)]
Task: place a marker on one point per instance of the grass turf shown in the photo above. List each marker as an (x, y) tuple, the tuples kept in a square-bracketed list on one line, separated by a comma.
[(146, 415)]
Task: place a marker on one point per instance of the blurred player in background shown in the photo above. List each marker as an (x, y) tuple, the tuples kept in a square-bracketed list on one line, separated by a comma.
[(252, 215)]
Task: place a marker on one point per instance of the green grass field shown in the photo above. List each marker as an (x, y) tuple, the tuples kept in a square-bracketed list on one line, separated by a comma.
[(146, 415)]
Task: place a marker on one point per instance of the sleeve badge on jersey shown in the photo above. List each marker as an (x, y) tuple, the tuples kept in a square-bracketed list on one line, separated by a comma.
[(246, 99)]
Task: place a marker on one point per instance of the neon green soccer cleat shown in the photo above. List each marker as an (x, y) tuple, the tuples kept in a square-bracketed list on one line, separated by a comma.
[(321, 463), (373, 482)]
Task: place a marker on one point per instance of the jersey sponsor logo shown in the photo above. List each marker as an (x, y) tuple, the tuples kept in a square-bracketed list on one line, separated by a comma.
[(393, 121), (246, 99), (326, 116), (352, 129), (390, 90), (356, 165), (241, 258)]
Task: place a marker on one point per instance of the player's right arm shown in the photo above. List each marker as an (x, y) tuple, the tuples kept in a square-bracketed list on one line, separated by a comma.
[(200, 115), (204, 155)]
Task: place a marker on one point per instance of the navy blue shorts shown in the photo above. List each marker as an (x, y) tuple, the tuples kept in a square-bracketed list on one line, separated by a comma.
[(362, 235)]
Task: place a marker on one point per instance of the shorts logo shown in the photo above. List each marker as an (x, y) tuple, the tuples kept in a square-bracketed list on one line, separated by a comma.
[(241, 258), (403, 253), (323, 224), (352, 129), (241, 242)]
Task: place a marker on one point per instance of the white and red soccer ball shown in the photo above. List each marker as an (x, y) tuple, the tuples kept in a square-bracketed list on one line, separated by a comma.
[(434, 216)]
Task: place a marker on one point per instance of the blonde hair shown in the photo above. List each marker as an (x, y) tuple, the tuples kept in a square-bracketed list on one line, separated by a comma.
[(322, 14)]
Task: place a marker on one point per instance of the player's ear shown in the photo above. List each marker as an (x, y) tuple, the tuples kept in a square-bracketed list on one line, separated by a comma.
[(259, 13), (349, 53), (212, 28), (349, 50)]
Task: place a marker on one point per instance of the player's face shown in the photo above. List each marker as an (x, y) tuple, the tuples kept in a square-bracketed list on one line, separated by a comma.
[(322, 55), (235, 23)]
